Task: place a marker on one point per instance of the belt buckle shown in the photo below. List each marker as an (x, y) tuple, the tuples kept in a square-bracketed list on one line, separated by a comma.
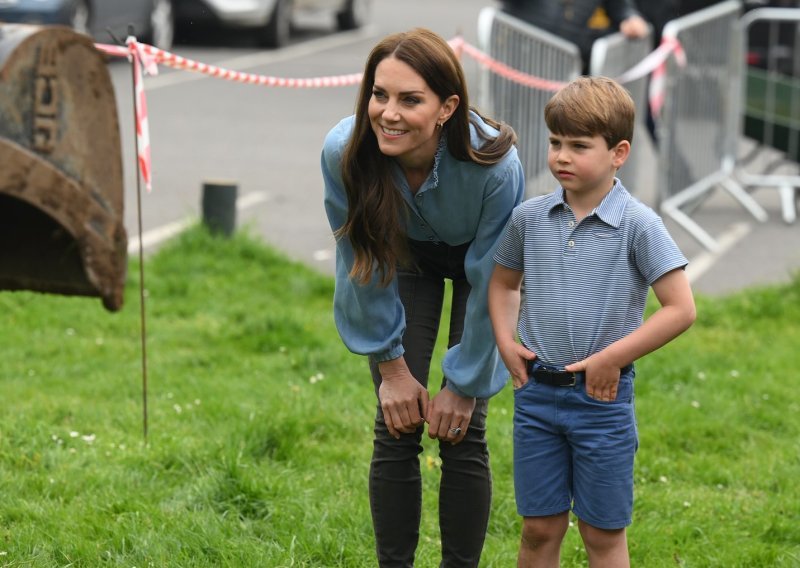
[(554, 377)]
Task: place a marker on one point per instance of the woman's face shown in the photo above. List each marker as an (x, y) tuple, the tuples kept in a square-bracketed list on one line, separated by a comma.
[(403, 112)]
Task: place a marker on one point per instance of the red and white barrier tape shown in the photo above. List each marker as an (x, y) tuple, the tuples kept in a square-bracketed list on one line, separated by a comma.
[(142, 122), (159, 56), (135, 53), (460, 46), (668, 45), (148, 57)]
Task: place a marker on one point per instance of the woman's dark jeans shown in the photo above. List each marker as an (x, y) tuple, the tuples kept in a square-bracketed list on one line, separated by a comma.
[(395, 483)]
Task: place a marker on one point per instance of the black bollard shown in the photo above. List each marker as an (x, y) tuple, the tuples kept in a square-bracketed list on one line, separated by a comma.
[(219, 206)]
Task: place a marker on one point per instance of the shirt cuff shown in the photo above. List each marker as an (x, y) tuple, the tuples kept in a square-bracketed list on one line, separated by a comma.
[(451, 387), (393, 353)]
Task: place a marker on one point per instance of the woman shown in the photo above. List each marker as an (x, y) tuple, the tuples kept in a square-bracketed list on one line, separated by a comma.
[(418, 188)]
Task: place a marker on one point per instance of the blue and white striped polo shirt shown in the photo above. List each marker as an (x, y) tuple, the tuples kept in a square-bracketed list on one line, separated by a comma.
[(585, 283)]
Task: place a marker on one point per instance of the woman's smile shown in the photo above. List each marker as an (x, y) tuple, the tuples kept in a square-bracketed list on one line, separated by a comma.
[(392, 131)]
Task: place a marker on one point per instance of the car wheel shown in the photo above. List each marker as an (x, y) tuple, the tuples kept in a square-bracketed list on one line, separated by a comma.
[(276, 32), (79, 17), (162, 24), (355, 14)]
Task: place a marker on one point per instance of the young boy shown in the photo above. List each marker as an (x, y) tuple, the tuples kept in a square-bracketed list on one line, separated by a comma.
[(587, 254)]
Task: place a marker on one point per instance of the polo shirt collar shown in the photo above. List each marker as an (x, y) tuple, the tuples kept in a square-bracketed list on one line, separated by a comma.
[(610, 209)]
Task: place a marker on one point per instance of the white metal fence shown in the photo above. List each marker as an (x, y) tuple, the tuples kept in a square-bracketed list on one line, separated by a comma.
[(770, 104), (534, 51), (698, 126), (711, 99)]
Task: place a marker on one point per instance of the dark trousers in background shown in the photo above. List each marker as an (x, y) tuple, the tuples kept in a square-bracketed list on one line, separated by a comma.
[(395, 482)]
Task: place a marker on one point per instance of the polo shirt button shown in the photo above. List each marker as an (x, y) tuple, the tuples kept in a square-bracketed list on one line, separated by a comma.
[(571, 223), (571, 244)]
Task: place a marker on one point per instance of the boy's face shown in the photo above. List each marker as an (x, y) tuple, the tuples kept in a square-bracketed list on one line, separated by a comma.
[(585, 164)]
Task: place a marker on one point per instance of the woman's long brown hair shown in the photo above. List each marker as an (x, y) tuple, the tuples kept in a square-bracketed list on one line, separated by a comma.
[(376, 211)]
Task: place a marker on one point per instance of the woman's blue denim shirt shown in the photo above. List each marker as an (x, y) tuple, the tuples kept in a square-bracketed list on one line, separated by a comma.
[(459, 202)]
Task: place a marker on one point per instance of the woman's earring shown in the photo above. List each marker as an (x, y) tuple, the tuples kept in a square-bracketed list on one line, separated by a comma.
[(439, 124)]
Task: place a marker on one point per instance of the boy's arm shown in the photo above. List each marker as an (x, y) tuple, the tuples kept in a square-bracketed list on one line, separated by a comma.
[(504, 299), (676, 314)]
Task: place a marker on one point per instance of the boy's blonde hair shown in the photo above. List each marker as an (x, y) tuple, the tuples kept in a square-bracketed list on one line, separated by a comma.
[(590, 106)]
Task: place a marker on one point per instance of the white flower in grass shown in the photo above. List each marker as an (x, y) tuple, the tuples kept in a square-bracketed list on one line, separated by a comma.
[(663, 479), (701, 375), (177, 408), (695, 404), (89, 438), (734, 373), (3, 553), (686, 504), (197, 402), (316, 378), (74, 434)]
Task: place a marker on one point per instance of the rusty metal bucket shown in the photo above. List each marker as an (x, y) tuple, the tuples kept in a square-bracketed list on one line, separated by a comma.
[(61, 188)]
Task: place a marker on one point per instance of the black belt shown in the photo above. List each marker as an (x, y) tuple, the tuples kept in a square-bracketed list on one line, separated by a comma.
[(558, 378)]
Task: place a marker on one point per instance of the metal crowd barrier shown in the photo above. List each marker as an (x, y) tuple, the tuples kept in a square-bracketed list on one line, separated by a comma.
[(698, 126), (701, 121), (770, 102), (612, 56), (536, 52)]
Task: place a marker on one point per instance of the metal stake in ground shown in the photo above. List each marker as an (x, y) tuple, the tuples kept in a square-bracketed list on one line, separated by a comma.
[(134, 62)]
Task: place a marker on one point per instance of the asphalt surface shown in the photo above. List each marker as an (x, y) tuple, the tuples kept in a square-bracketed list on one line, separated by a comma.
[(267, 141)]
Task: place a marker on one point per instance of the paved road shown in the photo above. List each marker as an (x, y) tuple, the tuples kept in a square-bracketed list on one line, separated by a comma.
[(268, 140)]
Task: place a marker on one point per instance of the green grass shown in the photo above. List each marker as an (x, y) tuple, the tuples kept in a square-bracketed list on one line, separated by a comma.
[(260, 428)]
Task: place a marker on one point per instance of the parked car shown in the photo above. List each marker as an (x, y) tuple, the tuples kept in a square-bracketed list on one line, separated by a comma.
[(152, 20), (270, 19)]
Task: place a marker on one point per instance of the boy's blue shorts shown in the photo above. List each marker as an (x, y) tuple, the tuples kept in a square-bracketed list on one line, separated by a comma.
[(574, 452)]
